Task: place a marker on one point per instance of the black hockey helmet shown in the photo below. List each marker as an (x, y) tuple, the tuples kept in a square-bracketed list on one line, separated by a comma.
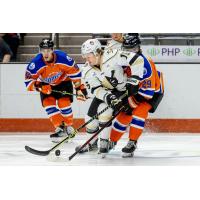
[(131, 40), (46, 43)]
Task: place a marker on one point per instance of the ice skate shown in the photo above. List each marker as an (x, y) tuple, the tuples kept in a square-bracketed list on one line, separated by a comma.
[(112, 145), (104, 147), (128, 150), (90, 147), (70, 131), (61, 132)]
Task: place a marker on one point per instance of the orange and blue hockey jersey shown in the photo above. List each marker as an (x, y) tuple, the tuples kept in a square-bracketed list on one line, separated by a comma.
[(152, 81), (63, 68)]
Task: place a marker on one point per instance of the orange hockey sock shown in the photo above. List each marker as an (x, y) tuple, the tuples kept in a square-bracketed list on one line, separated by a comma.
[(119, 126), (138, 120), (64, 105), (52, 111)]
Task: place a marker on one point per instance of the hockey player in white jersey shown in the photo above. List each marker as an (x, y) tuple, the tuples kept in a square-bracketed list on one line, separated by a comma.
[(105, 78), (115, 42)]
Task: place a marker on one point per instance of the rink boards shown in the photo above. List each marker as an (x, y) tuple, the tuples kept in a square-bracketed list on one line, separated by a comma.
[(179, 111)]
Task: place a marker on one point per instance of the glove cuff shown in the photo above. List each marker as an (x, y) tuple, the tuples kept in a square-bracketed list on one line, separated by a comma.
[(81, 87)]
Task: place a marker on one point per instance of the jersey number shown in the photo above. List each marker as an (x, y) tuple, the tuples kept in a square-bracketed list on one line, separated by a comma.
[(146, 84), (88, 85)]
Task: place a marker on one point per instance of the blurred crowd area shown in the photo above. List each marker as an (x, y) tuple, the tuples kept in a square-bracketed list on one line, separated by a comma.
[(22, 47), (9, 43)]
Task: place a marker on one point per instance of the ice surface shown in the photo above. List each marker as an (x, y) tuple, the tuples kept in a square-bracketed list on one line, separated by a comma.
[(153, 149)]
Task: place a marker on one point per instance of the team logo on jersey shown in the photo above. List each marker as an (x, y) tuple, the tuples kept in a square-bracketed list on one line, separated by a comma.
[(69, 58), (53, 77), (144, 72), (31, 66), (91, 42), (28, 75)]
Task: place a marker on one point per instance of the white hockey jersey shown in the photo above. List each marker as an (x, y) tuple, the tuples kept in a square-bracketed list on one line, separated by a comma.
[(110, 74), (112, 44)]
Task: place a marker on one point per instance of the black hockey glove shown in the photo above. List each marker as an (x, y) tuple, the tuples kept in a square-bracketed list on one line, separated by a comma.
[(132, 85), (113, 101), (127, 109)]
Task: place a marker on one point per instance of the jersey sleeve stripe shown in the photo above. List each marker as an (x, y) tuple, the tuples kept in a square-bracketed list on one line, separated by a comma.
[(148, 94)]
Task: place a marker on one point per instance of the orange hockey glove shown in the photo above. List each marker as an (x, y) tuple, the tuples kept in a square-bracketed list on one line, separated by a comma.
[(81, 93), (45, 89)]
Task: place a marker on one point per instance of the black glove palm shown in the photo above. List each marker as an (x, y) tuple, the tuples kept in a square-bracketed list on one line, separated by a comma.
[(113, 102)]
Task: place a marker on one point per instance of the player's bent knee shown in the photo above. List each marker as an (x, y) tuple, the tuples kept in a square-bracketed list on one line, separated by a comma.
[(93, 126), (105, 116), (91, 131)]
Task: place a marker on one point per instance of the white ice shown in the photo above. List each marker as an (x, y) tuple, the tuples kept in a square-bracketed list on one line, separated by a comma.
[(153, 149)]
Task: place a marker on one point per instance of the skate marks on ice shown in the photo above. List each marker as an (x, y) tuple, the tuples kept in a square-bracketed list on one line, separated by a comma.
[(142, 158), (155, 149), (152, 150)]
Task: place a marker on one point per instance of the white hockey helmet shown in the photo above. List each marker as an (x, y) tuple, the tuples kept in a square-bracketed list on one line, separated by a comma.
[(90, 46)]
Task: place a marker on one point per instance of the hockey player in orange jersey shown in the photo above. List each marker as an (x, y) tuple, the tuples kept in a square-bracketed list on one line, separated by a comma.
[(145, 94), (55, 70)]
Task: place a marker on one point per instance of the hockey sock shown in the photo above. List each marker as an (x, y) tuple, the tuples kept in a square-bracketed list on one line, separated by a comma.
[(119, 126), (138, 120), (64, 105), (52, 111)]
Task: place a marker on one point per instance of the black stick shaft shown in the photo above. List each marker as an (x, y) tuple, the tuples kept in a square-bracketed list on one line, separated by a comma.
[(88, 141)]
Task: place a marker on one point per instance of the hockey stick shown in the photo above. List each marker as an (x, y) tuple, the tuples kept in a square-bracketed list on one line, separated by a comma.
[(68, 93), (97, 133), (47, 152)]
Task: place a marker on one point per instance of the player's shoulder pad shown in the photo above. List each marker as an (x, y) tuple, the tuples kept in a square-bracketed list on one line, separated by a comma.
[(108, 54), (86, 68), (36, 64), (63, 58)]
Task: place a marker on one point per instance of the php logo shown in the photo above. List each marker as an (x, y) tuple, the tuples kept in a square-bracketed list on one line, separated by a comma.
[(189, 51), (153, 51)]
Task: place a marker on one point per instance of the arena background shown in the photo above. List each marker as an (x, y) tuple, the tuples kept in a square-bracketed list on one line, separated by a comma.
[(176, 55)]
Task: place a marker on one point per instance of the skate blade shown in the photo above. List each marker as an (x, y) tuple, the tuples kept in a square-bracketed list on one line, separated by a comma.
[(58, 140), (103, 155), (127, 155)]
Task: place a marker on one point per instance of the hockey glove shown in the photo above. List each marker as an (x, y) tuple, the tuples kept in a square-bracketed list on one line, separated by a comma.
[(81, 93), (45, 89), (127, 109), (113, 101), (132, 85)]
